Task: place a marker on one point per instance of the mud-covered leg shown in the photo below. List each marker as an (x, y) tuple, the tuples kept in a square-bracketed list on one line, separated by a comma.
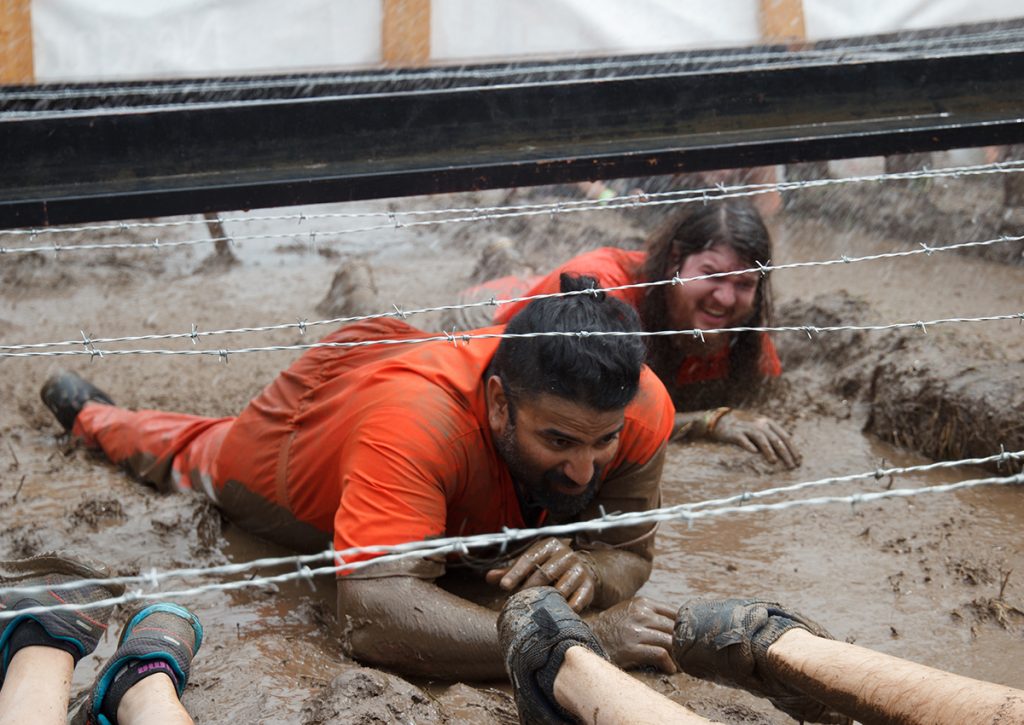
[(171, 451)]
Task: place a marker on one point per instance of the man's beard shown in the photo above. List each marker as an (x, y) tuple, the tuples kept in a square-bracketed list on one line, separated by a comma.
[(537, 487)]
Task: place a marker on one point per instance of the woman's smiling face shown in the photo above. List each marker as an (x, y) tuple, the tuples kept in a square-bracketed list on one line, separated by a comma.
[(710, 304)]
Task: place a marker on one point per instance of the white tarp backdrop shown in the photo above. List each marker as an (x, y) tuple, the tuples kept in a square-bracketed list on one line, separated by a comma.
[(838, 18), (470, 29), (131, 39), (123, 39)]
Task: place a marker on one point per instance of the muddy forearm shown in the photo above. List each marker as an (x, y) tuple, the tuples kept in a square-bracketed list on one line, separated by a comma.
[(414, 627), (690, 424), (697, 423), (619, 573), (875, 687), (622, 556)]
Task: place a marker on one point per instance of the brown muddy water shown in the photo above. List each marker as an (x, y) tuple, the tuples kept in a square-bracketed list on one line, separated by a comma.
[(938, 579)]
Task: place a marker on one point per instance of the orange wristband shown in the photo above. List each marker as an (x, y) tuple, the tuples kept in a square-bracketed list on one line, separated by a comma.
[(712, 418)]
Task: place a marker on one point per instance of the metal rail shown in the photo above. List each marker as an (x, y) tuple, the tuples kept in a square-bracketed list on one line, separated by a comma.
[(184, 150)]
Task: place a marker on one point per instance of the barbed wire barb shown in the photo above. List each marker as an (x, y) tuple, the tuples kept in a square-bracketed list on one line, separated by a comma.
[(466, 337), (397, 311), (686, 511), (463, 544)]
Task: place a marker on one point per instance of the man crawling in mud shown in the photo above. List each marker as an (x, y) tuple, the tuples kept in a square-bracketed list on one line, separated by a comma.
[(384, 444)]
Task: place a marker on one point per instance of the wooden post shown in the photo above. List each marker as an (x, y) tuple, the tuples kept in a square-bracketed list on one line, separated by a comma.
[(16, 65), (222, 256), (405, 36), (1012, 183), (782, 21)]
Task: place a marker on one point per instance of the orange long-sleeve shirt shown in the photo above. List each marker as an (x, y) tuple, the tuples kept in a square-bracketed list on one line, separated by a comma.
[(614, 267), (391, 443)]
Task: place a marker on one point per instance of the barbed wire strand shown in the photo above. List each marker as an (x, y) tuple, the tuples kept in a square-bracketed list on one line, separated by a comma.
[(154, 577), (877, 474), (195, 334), (463, 544), (465, 338), (489, 213)]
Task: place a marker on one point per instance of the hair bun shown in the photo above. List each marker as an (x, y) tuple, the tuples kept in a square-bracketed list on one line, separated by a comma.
[(568, 282)]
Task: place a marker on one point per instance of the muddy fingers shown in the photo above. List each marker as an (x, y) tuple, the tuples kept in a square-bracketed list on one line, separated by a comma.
[(757, 434), (550, 562)]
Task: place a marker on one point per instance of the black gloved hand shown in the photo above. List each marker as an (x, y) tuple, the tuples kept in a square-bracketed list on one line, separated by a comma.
[(727, 640), (535, 629)]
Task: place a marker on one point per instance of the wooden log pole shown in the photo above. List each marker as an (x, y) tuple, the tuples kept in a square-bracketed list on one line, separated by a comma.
[(781, 21)]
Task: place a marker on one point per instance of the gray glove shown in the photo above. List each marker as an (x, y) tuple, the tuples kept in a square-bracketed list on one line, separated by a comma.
[(535, 628), (727, 640)]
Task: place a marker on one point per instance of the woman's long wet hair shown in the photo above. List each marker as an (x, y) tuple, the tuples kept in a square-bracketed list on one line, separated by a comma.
[(734, 223)]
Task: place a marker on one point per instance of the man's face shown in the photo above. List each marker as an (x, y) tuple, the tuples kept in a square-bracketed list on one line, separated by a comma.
[(555, 449)]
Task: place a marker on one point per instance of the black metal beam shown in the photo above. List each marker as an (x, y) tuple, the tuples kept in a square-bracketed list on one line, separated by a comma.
[(231, 151)]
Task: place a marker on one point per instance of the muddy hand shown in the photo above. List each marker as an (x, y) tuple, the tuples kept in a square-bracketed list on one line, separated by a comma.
[(637, 633), (550, 562), (757, 434)]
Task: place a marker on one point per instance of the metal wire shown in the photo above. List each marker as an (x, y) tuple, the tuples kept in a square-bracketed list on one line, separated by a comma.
[(465, 338), (194, 334), (153, 577), (877, 474), (417, 550)]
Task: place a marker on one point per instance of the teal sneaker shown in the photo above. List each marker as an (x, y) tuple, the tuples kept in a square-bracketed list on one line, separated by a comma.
[(77, 631), (160, 638)]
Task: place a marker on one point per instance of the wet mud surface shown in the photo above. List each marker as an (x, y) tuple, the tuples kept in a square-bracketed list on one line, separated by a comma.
[(938, 579)]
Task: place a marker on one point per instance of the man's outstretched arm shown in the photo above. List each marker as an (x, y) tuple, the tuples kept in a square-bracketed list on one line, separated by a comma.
[(779, 653), (413, 626), (620, 574), (874, 687)]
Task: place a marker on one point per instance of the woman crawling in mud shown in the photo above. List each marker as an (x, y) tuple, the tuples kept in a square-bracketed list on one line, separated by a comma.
[(706, 375)]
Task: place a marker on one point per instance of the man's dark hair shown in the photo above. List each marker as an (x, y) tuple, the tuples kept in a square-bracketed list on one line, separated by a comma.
[(601, 372)]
